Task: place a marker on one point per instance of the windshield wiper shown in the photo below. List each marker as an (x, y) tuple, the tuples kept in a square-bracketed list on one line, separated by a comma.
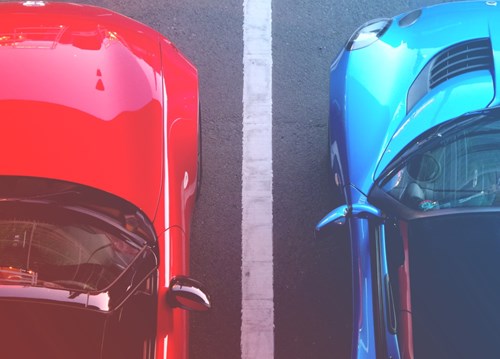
[(39, 196)]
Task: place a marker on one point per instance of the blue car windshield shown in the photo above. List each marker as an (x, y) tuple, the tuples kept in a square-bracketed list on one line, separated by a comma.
[(453, 165)]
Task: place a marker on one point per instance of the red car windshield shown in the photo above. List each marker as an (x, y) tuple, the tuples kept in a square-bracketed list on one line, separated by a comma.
[(60, 235), (61, 254)]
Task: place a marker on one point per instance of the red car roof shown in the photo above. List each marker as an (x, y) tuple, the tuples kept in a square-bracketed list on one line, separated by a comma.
[(81, 99)]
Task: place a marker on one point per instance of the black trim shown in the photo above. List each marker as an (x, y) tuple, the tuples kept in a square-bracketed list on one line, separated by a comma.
[(378, 292), (391, 319)]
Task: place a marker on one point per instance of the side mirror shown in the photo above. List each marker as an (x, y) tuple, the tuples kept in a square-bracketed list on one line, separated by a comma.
[(187, 293), (338, 217)]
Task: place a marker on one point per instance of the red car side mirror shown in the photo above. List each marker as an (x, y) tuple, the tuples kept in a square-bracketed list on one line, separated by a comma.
[(187, 293)]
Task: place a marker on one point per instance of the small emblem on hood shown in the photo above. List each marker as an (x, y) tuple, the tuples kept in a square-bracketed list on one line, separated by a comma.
[(491, 3)]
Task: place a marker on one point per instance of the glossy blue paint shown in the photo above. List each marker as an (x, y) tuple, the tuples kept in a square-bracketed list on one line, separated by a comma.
[(337, 216), (340, 214), (370, 124), (363, 340), (365, 210)]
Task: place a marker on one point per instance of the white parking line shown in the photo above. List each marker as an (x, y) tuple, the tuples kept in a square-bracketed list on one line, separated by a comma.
[(257, 328)]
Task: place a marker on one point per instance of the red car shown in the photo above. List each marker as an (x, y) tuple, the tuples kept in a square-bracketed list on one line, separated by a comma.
[(99, 170)]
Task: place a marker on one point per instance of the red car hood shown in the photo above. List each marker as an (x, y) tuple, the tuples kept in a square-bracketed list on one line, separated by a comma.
[(81, 99)]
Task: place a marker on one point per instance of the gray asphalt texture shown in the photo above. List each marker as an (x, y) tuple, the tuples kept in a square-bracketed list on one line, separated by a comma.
[(312, 279)]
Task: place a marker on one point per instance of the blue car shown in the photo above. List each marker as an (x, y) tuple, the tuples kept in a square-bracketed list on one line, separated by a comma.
[(414, 139)]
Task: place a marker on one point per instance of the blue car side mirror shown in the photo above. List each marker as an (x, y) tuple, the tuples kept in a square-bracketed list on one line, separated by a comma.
[(338, 217)]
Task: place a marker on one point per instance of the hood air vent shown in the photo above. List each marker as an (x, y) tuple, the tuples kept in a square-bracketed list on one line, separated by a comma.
[(459, 59), (465, 57)]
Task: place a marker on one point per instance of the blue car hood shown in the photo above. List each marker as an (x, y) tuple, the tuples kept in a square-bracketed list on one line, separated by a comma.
[(373, 83)]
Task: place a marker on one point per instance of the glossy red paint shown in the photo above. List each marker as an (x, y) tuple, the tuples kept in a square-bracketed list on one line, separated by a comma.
[(88, 81), (92, 97), (181, 84)]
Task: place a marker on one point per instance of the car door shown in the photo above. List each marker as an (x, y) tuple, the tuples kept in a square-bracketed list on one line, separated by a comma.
[(363, 222)]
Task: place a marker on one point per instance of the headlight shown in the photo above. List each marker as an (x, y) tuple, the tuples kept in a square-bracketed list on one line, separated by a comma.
[(368, 34)]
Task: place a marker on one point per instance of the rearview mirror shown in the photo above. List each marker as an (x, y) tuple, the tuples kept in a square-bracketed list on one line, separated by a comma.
[(326, 228), (187, 293)]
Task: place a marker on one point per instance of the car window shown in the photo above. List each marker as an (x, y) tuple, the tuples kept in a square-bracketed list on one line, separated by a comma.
[(455, 165)]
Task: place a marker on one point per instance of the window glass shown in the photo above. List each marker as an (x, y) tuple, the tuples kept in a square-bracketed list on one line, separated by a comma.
[(454, 165), (62, 250)]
